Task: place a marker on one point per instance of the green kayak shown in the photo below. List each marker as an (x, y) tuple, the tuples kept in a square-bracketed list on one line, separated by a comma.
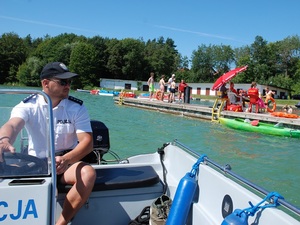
[(260, 127)]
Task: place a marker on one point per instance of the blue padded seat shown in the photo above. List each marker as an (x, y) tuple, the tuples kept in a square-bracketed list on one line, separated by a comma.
[(120, 178)]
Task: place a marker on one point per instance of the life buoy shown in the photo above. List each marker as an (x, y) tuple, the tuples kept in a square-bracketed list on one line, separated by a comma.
[(158, 95), (285, 115), (291, 116), (278, 114), (274, 105)]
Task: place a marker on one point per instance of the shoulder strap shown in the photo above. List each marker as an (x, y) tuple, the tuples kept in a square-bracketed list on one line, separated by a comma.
[(73, 99), (28, 98)]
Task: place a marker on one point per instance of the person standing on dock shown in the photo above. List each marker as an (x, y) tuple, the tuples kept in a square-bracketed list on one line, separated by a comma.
[(181, 87), (169, 86), (269, 95), (162, 84), (172, 91), (236, 98), (223, 89), (151, 85), (253, 94)]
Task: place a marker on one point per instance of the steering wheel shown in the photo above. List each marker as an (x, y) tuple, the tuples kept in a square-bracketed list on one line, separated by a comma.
[(17, 164)]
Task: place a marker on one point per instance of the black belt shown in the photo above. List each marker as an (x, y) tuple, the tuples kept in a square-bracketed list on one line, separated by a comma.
[(61, 153), (92, 157)]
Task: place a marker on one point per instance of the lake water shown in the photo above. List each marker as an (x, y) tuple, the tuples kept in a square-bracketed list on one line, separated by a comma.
[(269, 161)]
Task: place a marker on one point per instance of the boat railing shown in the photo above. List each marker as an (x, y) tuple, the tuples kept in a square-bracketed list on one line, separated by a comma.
[(227, 170)]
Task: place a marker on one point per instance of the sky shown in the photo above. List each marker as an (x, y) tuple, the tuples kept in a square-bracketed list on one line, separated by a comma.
[(189, 23)]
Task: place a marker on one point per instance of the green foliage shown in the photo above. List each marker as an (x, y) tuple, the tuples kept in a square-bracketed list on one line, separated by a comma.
[(160, 56), (132, 58), (29, 72), (13, 53), (21, 60), (208, 61), (184, 74), (296, 85), (83, 61)]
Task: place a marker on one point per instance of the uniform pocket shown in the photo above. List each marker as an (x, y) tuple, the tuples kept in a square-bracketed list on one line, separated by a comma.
[(64, 128)]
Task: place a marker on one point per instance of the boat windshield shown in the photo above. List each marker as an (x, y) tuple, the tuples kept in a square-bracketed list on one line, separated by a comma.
[(32, 145)]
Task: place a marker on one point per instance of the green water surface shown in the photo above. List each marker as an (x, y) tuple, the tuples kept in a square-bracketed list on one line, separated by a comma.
[(269, 161)]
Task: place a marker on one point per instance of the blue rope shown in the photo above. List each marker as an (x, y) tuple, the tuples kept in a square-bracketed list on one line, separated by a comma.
[(254, 208), (195, 167)]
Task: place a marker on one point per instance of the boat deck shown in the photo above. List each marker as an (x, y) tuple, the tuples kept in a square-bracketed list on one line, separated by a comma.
[(203, 112)]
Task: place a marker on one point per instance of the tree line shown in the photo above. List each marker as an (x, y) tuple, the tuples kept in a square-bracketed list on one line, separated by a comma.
[(22, 59)]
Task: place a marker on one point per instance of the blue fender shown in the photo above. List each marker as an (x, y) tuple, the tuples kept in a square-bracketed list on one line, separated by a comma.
[(182, 200), (238, 217)]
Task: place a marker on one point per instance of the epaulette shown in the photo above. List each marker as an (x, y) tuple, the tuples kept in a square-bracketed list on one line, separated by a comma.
[(28, 98), (73, 99)]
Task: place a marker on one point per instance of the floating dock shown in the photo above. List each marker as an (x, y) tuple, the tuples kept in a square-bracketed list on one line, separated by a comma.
[(202, 112)]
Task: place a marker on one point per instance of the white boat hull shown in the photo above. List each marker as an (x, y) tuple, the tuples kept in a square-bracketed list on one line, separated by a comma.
[(214, 190)]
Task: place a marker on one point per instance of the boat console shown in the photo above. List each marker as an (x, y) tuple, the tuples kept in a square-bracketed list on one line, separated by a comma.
[(101, 142)]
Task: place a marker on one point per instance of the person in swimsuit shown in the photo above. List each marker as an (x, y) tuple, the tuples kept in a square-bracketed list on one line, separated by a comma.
[(162, 84), (151, 85), (169, 87), (172, 90)]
